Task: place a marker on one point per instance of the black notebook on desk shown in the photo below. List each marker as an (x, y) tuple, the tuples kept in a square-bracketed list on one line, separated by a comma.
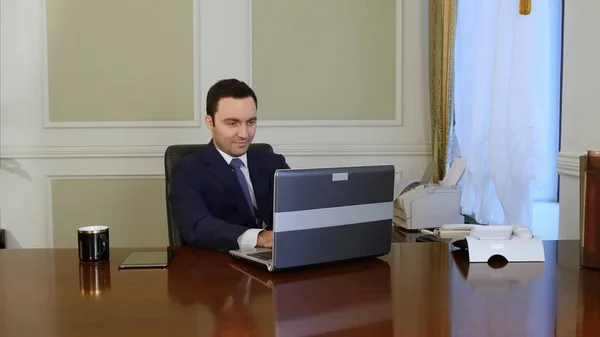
[(147, 259)]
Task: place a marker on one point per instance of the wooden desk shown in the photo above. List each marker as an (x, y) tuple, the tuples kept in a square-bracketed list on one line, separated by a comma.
[(419, 289)]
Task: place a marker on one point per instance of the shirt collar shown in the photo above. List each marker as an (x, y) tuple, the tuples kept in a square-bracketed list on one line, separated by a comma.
[(228, 158)]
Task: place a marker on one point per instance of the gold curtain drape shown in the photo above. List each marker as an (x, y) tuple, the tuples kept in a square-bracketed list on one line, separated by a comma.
[(442, 28)]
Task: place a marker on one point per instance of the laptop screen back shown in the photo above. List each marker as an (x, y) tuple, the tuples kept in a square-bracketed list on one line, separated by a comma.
[(332, 214)]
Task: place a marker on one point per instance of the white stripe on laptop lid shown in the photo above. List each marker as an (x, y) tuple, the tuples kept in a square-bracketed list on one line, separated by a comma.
[(334, 216)]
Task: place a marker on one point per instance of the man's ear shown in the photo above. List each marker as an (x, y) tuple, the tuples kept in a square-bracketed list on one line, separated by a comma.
[(208, 121)]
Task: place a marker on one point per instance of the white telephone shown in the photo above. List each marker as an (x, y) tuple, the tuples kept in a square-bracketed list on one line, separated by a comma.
[(516, 243), (501, 232), (451, 231), (484, 277)]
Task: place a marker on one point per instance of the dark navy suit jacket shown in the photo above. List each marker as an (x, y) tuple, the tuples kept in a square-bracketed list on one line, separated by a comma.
[(207, 202)]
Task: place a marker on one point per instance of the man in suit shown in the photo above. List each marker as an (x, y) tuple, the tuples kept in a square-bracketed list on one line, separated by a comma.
[(222, 196)]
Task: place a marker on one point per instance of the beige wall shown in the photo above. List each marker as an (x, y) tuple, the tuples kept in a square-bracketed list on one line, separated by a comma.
[(115, 60), (580, 118), (134, 210), (133, 61), (325, 60), (109, 138)]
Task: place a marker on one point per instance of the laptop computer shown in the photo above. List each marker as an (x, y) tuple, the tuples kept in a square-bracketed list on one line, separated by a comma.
[(323, 215), (316, 301)]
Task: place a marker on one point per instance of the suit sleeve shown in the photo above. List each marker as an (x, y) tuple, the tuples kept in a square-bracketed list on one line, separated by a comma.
[(196, 224), (282, 162)]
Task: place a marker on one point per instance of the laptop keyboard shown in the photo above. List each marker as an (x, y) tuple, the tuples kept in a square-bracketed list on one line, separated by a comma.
[(262, 255)]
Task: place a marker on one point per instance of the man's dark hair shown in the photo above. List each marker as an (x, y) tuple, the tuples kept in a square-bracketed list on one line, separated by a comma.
[(227, 88)]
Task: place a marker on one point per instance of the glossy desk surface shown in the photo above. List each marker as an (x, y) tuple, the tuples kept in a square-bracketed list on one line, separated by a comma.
[(419, 289)]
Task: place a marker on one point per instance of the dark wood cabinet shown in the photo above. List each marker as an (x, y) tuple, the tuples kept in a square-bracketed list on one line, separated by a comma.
[(2, 239)]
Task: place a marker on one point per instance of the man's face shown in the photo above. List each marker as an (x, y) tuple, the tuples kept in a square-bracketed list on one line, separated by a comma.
[(234, 125)]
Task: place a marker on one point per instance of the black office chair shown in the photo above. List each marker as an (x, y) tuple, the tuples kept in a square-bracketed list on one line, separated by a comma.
[(172, 155), (2, 239)]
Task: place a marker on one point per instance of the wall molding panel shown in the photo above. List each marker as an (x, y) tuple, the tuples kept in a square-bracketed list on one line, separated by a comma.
[(194, 123), (49, 178), (397, 122), (58, 152), (567, 164)]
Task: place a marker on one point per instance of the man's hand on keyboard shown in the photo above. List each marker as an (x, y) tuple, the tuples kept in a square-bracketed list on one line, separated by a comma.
[(265, 239)]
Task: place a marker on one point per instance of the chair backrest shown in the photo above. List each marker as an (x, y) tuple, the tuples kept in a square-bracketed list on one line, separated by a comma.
[(172, 155)]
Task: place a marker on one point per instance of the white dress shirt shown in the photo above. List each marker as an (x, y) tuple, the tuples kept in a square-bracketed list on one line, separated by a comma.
[(249, 238)]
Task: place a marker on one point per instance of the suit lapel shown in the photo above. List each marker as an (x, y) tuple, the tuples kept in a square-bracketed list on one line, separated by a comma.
[(216, 166)]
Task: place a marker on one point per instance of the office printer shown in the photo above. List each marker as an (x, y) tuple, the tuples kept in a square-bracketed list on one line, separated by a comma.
[(420, 204)]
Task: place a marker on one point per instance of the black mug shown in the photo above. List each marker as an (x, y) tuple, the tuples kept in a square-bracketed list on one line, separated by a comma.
[(93, 244)]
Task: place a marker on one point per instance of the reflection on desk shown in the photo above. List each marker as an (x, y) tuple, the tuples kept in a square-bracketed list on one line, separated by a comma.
[(94, 278), (496, 275), (510, 299), (419, 289), (305, 302), (326, 299)]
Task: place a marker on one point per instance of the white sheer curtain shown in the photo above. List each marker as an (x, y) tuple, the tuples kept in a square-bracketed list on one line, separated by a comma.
[(507, 85)]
